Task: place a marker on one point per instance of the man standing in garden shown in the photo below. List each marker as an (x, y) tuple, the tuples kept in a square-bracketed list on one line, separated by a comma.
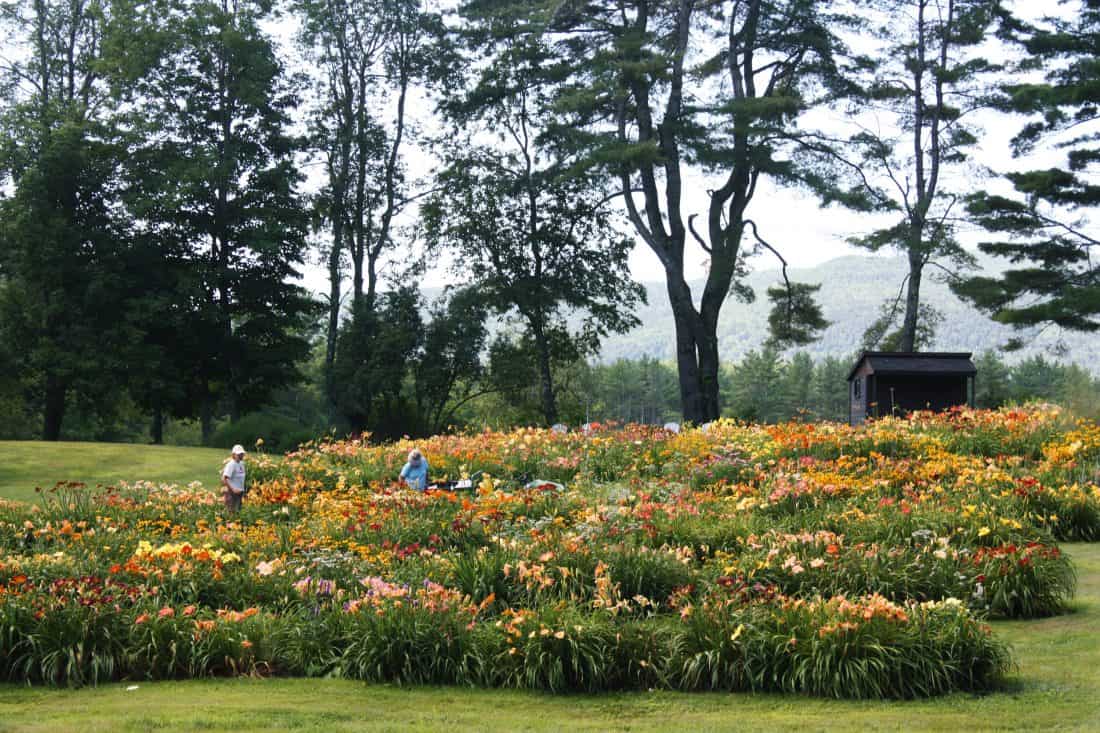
[(233, 487)]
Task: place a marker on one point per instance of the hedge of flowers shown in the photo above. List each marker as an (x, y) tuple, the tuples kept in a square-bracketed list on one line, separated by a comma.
[(819, 559)]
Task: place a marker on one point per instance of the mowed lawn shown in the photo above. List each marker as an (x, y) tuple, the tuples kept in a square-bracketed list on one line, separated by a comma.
[(1057, 687), (25, 465)]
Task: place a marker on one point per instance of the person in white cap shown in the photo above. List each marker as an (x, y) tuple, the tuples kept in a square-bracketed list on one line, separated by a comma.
[(233, 486)]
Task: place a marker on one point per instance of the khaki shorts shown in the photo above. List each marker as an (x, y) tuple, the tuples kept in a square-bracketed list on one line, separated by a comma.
[(233, 501)]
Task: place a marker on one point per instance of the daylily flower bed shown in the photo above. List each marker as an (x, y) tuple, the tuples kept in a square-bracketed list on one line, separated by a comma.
[(818, 559)]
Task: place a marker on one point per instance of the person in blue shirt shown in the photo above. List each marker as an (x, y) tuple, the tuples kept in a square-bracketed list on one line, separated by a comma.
[(415, 471)]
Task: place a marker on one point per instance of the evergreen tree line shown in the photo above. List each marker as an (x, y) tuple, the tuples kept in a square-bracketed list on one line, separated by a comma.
[(765, 386), (155, 216), (774, 388), (770, 387)]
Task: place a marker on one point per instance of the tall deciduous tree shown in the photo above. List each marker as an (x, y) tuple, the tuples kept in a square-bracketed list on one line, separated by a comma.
[(449, 372), (369, 56), (657, 91), (1055, 276), (377, 347), (343, 40), (537, 239), (914, 112), (215, 180), (66, 256)]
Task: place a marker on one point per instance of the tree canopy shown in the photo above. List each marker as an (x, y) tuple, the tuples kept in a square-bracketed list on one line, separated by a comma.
[(1054, 278), (536, 238)]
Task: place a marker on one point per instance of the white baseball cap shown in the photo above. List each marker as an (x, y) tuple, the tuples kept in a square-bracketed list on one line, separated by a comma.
[(238, 449)]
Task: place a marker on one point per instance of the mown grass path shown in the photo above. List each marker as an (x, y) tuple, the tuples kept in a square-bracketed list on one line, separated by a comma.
[(25, 465), (1057, 687)]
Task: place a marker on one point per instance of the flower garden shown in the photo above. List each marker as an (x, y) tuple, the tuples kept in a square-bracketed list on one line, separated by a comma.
[(814, 559)]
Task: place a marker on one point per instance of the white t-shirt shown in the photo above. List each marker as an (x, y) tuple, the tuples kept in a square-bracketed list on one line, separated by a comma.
[(234, 471)]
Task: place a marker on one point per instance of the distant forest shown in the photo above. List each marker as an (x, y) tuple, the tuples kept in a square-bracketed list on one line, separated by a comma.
[(766, 386), (852, 289)]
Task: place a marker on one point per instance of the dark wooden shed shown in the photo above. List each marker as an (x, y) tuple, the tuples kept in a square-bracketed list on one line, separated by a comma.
[(896, 382)]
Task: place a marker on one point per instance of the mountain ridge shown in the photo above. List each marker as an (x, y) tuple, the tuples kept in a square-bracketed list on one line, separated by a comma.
[(853, 288)]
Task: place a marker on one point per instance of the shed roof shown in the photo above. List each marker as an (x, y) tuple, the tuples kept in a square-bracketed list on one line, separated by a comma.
[(903, 362)]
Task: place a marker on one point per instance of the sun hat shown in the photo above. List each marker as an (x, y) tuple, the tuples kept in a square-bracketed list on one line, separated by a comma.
[(238, 449)]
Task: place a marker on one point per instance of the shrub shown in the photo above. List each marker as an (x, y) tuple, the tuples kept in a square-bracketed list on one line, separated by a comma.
[(65, 645), (279, 434), (480, 575), (866, 648), (549, 649), (405, 645), (640, 571), (1029, 581)]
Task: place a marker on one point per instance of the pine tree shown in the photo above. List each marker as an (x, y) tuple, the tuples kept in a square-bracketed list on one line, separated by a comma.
[(1054, 278), (377, 347), (830, 389), (1035, 378), (927, 80), (799, 376), (646, 92), (761, 390), (537, 239), (992, 385)]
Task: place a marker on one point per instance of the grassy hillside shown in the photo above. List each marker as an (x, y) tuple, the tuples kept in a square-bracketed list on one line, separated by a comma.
[(27, 464), (1056, 688), (852, 291)]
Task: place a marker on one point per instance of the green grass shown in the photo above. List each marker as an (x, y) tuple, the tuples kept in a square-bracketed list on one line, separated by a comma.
[(1057, 687), (27, 464)]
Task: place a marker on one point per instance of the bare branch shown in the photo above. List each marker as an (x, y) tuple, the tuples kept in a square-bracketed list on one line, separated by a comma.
[(773, 250), (612, 196), (691, 228)]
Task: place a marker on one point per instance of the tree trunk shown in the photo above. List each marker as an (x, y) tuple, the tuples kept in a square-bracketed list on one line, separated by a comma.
[(549, 399), (333, 320), (156, 428), (908, 341), (372, 282), (709, 363), (207, 422), (687, 368), (357, 279), (546, 378), (54, 408), (362, 220), (696, 358)]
